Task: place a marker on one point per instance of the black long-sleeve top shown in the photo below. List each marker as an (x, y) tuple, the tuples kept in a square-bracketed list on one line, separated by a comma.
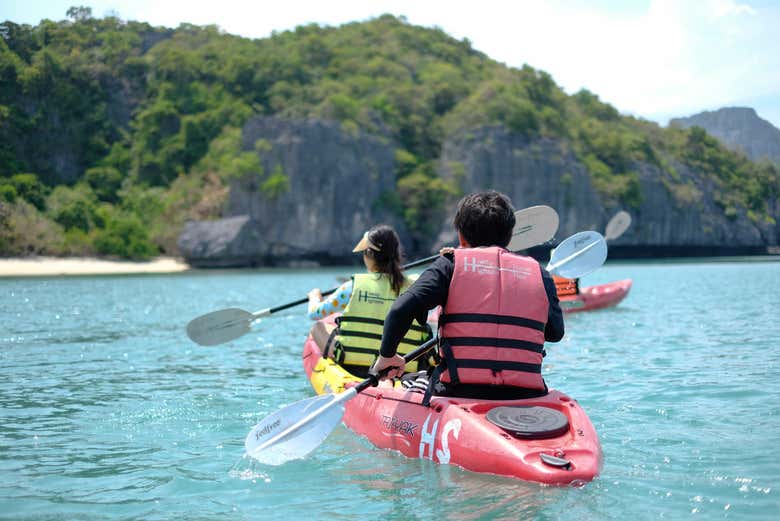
[(431, 290)]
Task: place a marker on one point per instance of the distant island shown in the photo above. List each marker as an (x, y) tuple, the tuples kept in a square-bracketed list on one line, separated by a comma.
[(123, 140), (741, 129)]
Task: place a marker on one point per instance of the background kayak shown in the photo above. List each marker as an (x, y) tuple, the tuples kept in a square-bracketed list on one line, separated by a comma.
[(596, 297)]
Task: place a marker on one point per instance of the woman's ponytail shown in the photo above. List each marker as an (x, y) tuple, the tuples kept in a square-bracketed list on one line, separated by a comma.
[(389, 257)]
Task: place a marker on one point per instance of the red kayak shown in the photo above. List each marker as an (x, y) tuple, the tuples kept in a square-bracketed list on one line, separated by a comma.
[(548, 440), (596, 297)]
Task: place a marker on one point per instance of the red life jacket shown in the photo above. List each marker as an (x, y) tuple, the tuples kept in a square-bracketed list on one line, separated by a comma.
[(493, 323)]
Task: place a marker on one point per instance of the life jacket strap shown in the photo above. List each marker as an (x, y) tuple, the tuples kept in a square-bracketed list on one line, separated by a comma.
[(376, 322), (362, 320), (496, 366), (507, 343), (339, 353), (432, 381), (330, 344), (487, 318), (449, 362)]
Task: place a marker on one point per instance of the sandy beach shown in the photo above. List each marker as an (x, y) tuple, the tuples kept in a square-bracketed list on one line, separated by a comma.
[(49, 266)]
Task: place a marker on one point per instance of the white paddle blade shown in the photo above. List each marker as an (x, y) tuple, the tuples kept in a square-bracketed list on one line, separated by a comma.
[(578, 255), (617, 225), (220, 326), (294, 431), (533, 226)]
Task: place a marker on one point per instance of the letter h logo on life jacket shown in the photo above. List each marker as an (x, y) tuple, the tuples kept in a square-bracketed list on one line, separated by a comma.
[(369, 297), (478, 266)]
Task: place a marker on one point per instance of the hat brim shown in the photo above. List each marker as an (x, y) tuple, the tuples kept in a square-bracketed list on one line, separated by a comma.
[(364, 244)]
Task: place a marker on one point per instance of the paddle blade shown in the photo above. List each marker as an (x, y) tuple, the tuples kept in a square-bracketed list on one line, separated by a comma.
[(578, 255), (220, 326), (617, 225), (533, 226), (294, 431)]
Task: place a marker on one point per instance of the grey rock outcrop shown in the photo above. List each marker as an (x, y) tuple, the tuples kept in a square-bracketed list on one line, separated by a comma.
[(222, 243), (674, 215), (739, 128), (543, 171), (334, 182)]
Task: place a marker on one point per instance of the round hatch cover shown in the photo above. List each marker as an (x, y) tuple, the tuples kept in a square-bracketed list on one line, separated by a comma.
[(529, 422)]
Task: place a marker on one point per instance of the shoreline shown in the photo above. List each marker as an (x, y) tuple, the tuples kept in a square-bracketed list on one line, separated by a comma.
[(66, 266)]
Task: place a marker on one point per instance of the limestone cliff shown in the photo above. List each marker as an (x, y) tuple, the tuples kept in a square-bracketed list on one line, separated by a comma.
[(334, 181), (329, 189), (676, 216)]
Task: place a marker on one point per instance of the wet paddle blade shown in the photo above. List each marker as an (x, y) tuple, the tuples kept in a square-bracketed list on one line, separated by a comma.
[(220, 326), (578, 255), (533, 226), (294, 431), (617, 225)]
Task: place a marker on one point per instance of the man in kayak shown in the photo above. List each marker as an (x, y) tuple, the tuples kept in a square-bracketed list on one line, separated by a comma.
[(364, 301), (498, 310)]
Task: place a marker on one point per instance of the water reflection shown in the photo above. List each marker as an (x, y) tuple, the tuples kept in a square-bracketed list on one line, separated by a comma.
[(422, 489)]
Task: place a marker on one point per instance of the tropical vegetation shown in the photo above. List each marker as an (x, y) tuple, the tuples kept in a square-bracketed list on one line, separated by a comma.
[(114, 132)]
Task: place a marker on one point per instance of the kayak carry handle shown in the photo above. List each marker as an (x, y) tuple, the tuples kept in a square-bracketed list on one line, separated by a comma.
[(555, 461)]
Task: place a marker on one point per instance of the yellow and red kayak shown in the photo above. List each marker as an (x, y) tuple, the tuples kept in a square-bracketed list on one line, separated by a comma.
[(548, 440)]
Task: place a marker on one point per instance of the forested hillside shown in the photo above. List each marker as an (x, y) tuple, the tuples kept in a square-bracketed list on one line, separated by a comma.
[(114, 133)]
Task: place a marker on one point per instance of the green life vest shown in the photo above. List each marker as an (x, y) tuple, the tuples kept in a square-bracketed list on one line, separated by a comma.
[(361, 325)]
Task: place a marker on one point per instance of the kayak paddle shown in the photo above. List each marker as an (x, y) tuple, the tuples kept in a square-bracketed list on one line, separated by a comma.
[(533, 226), (617, 225), (228, 324), (297, 429), (578, 255)]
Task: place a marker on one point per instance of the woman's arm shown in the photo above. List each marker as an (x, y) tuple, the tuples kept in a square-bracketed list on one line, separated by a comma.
[(334, 302)]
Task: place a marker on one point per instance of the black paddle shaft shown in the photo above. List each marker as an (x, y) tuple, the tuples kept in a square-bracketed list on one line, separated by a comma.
[(373, 379), (294, 303)]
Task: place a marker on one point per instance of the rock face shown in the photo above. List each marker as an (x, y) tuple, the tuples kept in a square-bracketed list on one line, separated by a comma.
[(669, 220), (223, 243), (334, 181), (739, 128), (529, 172)]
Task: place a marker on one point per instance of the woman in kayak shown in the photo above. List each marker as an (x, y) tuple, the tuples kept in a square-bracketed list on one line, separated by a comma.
[(364, 301), (498, 310)]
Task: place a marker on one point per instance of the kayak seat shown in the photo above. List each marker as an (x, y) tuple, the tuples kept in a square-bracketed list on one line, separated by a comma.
[(415, 382), (532, 422)]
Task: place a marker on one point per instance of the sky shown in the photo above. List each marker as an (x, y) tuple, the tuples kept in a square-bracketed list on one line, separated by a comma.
[(654, 59)]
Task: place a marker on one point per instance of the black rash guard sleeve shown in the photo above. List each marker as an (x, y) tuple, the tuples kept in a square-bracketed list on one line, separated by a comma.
[(554, 330), (431, 290), (428, 291)]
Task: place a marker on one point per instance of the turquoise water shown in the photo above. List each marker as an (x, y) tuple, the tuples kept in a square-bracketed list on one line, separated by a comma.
[(108, 411)]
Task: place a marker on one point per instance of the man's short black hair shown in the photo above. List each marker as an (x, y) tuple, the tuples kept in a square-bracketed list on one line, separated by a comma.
[(485, 219)]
